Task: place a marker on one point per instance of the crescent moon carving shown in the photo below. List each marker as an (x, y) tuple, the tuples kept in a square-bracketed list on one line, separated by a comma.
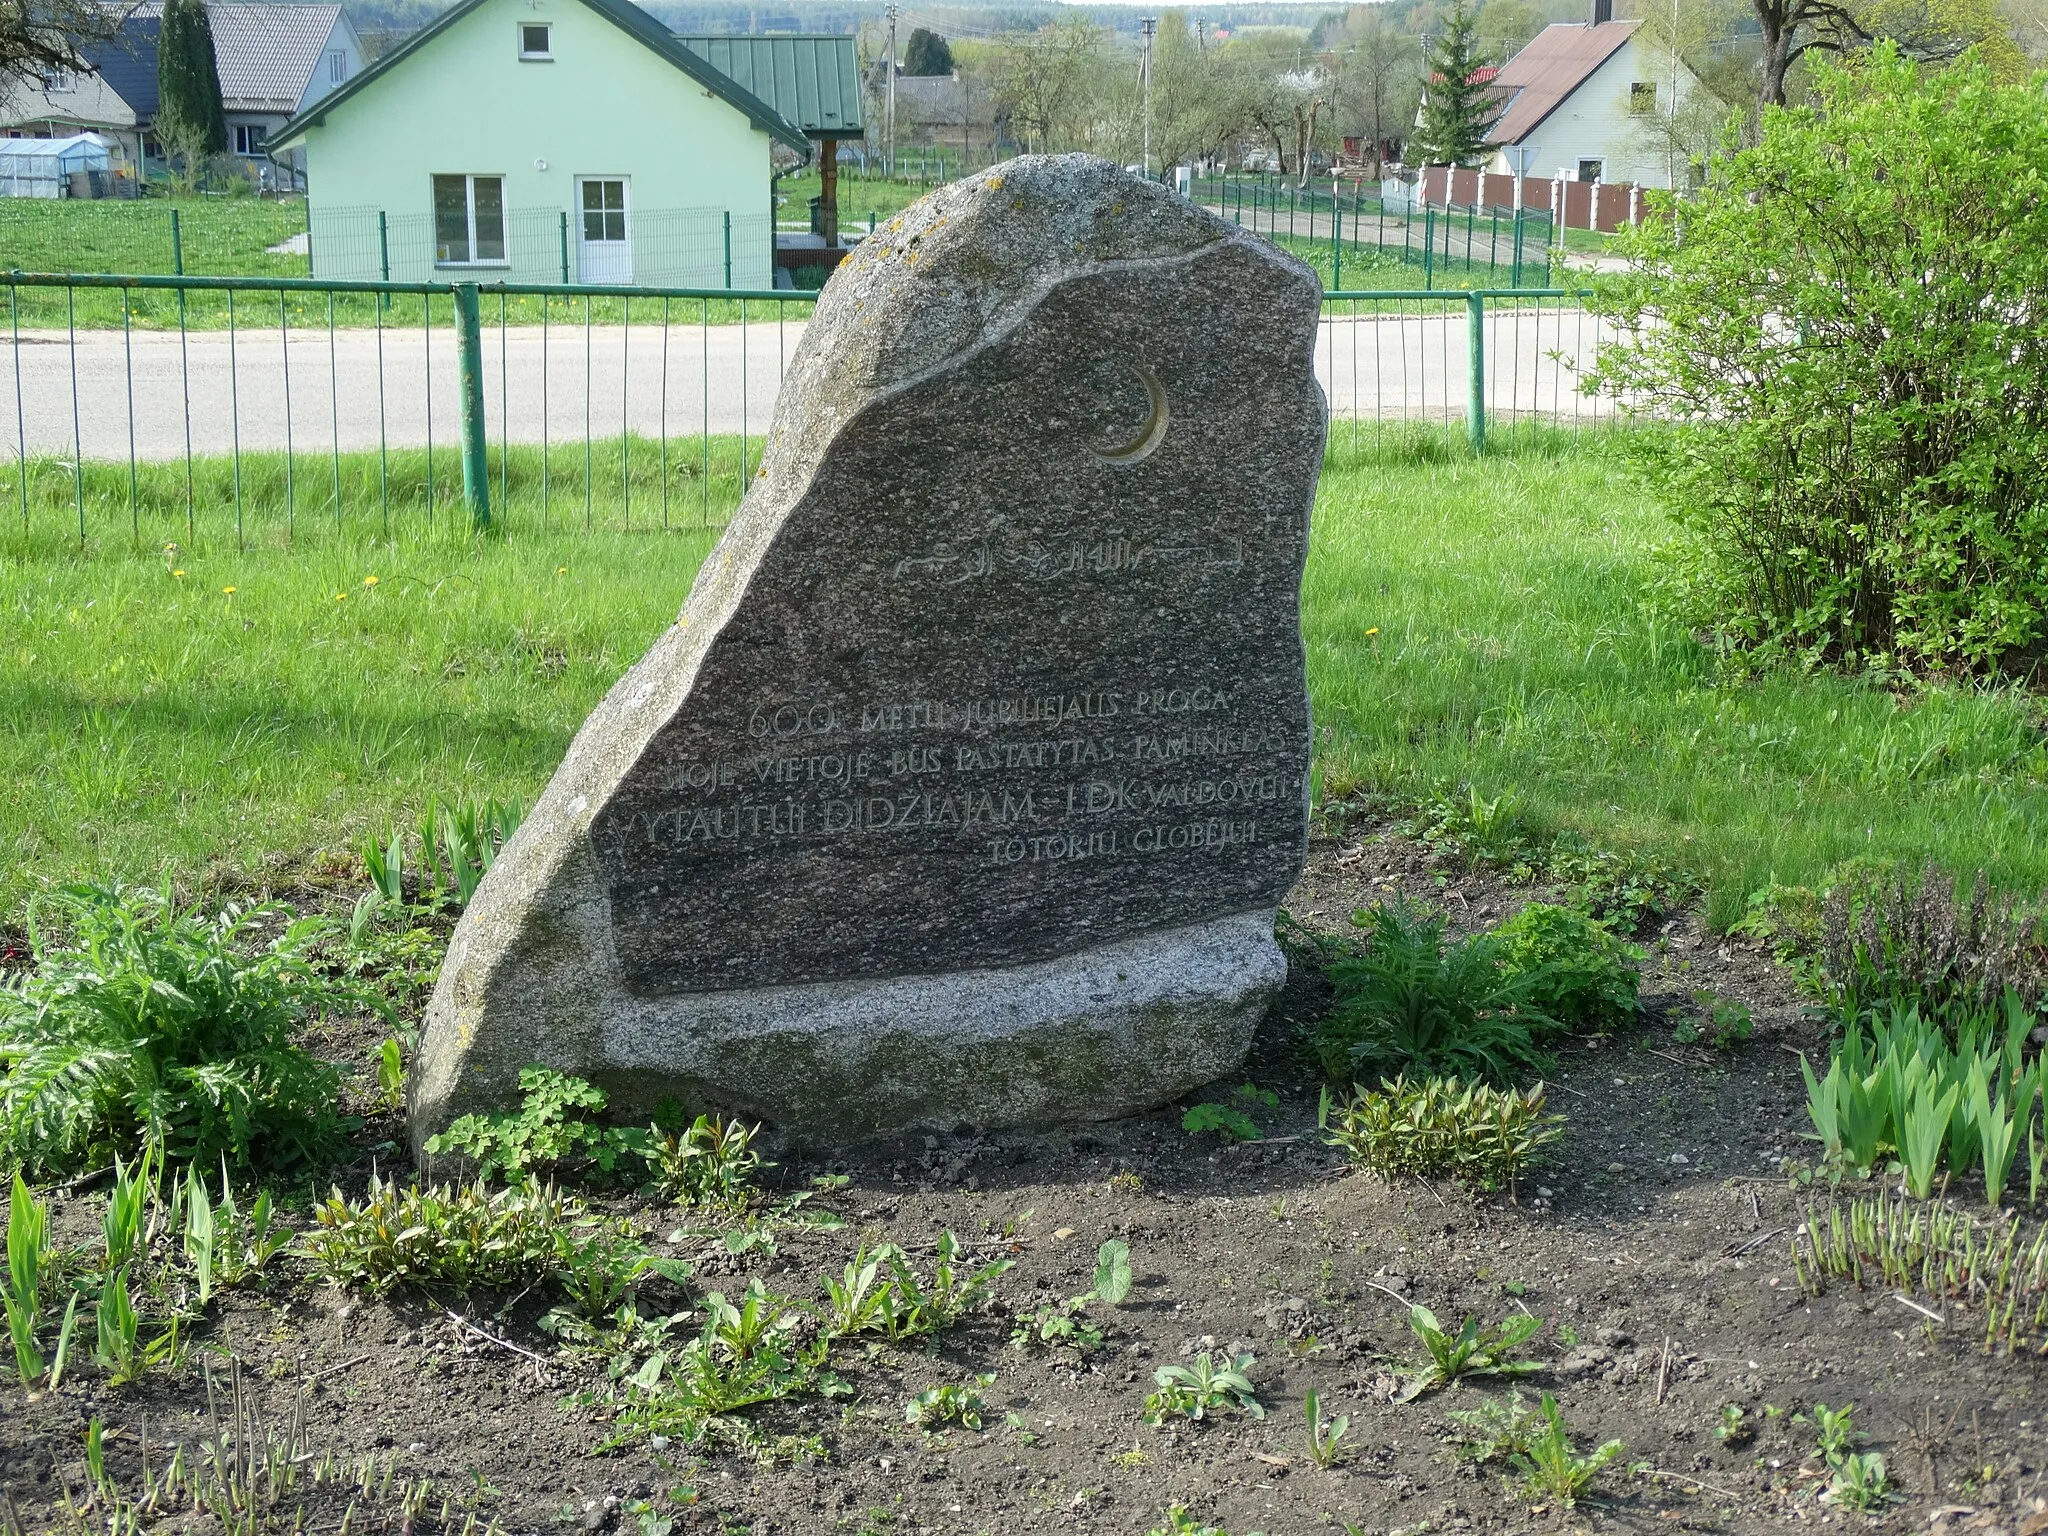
[(1157, 416)]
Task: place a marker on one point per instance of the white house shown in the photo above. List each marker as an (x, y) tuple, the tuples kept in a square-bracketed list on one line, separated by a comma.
[(1581, 102), (545, 140)]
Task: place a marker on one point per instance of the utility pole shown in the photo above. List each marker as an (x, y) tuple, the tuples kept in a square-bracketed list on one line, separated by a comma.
[(890, 116), (1148, 25)]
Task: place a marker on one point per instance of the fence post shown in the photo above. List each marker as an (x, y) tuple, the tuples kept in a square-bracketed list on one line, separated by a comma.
[(1336, 237), (469, 347), (728, 247), (1516, 282), (1475, 370), (564, 220), (383, 245), (177, 247), (1428, 244)]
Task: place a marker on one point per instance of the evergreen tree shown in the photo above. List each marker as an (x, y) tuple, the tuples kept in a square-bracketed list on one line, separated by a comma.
[(1457, 109), (927, 54), (189, 118)]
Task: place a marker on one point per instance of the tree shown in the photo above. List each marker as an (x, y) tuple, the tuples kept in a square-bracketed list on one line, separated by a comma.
[(189, 119), (927, 54), (1377, 70), (1043, 79), (1842, 335), (1927, 31), (1505, 28), (39, 37), (1457, 107)]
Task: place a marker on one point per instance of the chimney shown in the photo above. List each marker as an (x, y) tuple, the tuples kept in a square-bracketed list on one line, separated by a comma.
[(1603, 11)]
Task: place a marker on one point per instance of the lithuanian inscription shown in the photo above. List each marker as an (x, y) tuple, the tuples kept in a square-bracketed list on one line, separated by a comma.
[(987, 711)]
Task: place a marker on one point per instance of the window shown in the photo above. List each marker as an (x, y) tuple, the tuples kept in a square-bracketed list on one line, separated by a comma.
[(59, 80), (1589, 170), (248, 139), (536, 40), (337, 66), (469, 221), (604, 210), (1642, 96)]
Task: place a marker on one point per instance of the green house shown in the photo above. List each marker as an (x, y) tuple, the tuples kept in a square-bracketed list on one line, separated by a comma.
[(562, 141)]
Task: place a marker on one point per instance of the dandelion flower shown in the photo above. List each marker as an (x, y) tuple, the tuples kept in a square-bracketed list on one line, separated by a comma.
[(228, 591), (369, 581), (1371, 632), (177, 573), (561, 570), (341, 597)]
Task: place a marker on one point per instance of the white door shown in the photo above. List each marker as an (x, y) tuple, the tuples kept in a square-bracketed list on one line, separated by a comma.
[(605, 255)]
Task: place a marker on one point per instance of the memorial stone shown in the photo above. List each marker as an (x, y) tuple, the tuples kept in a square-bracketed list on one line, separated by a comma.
[(968, 782)]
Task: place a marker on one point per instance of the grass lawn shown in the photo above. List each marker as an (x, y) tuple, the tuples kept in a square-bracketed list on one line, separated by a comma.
[(1467, 622), (219, 236)]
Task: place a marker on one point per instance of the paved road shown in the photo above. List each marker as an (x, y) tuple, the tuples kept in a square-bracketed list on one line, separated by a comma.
[(104, 394)]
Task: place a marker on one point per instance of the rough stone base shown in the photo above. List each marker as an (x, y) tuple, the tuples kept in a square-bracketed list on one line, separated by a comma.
[(1107, 1032)]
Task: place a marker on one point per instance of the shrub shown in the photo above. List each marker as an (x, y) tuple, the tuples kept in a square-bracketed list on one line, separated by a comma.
[(154, 1022), (1412, 1001), (1846, 325), (1577, 971), (1478, 1134), (1889, 938)]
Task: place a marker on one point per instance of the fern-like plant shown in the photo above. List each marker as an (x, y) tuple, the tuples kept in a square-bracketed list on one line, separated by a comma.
[(144, 1022), (1414, 1002)]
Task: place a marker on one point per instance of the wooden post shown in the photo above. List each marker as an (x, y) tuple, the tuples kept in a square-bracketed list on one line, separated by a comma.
[(828, 191)]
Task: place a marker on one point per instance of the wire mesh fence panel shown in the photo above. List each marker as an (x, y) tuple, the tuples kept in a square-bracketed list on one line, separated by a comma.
[(637, 407)]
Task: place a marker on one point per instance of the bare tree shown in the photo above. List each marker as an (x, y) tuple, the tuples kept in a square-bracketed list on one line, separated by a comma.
[(40, 37), (1377, 69), (1043, 79)]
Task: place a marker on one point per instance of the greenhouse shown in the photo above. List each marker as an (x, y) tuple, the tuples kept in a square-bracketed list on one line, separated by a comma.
[(72, 167)]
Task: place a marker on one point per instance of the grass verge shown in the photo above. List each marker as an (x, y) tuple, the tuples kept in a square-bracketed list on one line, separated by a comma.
[(1469, 623)]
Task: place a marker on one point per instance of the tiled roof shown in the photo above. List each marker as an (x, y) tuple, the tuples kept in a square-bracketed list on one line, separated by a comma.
[(1562, 58), (813, 81), (266, 53)]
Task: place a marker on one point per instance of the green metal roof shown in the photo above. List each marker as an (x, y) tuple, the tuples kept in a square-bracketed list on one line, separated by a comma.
[(624, 15), (813, 80)]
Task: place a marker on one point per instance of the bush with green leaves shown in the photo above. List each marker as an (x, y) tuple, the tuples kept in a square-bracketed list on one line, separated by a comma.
[(1479, 1135), (1844, 330), (1417, 1001), (144, 1020), (1577, 971)]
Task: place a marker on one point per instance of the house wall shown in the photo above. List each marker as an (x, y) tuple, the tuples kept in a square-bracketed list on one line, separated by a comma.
[(605, 105), (1595, 123), (342, 39)]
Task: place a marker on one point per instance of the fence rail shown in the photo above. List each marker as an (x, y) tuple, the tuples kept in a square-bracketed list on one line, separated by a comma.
[(456, 405)]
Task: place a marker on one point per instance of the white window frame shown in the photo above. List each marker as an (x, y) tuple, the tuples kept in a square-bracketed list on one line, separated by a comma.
[(242, 132), (545, 55), (1642, 97), (1599, 171), (469, 181), (59, 81), (337, 66)]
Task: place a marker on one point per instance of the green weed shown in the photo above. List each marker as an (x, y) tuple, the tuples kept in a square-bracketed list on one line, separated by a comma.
[(1203, 1389), (936, 1407), (1497, 1431), (1414, 1001), (1326, 1446), (1577, 972), (1481, 1135), (148, 1020), (1469, 1353), (555, 1131), (710, 1162), (1551, 1468)]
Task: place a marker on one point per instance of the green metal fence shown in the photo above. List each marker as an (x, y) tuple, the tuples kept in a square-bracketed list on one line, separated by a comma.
[(198, 408), (1337, 224)]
